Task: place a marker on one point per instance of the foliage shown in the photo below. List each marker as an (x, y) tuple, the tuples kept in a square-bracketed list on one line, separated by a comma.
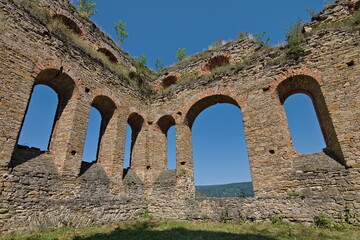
[(224, 216), (180, 54), (120, 29), (159, 64), (294, 38), (323, 222), (243, 35), (244, 189), (276, 219), (86, 8), (146, 213), (262, 39), (140, 64), (216, 44), (349, 216)]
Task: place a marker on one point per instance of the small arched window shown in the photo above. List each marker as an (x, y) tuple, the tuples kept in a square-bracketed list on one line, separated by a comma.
[(303, 123), (92, 139)]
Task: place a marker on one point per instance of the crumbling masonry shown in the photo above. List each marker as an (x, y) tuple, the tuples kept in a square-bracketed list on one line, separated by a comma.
[(50, 188)]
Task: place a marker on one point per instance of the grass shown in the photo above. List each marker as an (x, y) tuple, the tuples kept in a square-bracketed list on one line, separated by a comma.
[(148, 229)]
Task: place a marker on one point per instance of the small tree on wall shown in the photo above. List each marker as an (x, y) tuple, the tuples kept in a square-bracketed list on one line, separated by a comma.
[(120, 29), (180, 54), (86, 8), (159, 64)]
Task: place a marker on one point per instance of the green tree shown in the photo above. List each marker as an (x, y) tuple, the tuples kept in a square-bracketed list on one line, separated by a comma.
[(262, 39), (159, 64), (86, 8), (180, 54), (121, 31)]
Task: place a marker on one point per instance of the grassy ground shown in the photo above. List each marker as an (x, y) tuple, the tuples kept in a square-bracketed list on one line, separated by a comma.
[(173, 230)]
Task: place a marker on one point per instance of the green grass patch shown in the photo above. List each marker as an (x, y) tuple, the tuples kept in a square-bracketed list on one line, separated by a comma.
[(148, 229)]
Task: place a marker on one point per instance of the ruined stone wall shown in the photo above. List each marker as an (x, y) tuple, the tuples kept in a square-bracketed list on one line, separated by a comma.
[(54, 188), (49, 187)]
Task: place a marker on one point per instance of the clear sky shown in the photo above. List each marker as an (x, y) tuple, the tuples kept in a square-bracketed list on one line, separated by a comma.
[(157, 28)]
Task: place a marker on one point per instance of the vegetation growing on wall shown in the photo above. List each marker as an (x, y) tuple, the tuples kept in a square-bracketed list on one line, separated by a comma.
[(294, 38), (120, 29), (180, 54), (86, 8)]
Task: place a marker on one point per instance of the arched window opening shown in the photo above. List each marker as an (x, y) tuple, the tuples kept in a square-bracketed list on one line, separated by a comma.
[(221, 165), (168, 81), (69, 23), (92, 139), (39, 120), (109, 54), (135, 122), (303, 123), (309, 86), (127, 153), (171, 147), (167, 126), (101, 112)]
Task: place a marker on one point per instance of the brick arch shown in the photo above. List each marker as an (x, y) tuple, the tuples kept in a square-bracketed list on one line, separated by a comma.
[(214, 62), (165, 122), (204, 103), (310, 86), (70, 23), (106, 107), (109, 54), (214, 95), (53, 65), (302, 71)]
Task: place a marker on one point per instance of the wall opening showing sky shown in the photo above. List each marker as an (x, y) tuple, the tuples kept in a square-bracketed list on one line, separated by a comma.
[(303, 123), (92, 136), (39, 120), (219, 146)]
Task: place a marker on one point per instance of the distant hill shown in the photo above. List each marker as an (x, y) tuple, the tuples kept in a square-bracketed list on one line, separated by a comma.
[(243, 189)]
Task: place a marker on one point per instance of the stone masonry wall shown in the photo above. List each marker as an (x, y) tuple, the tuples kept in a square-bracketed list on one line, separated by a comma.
[(39, 189)]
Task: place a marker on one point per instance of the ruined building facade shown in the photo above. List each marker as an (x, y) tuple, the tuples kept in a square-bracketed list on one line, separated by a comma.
[(53, 187)]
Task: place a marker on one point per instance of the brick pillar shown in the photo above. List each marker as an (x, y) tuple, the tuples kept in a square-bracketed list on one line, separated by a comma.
[(157, 153), (16, 87), (184, 158), (112, 145), (68, 138), (139, 154)]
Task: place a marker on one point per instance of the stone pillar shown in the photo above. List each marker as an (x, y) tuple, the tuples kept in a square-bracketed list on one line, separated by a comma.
[(112, 145), (68, 138), (16, 86), (139, 152), (184, 158), (159, 150)]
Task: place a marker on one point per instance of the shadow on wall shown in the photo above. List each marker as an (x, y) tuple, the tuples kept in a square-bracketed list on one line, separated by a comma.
[(143, 231)]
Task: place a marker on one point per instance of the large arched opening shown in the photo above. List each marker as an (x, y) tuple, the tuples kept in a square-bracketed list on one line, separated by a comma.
[(221, 165), (302, 84)]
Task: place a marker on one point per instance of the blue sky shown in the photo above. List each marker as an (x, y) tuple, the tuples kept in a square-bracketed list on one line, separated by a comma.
[(157, 29)]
